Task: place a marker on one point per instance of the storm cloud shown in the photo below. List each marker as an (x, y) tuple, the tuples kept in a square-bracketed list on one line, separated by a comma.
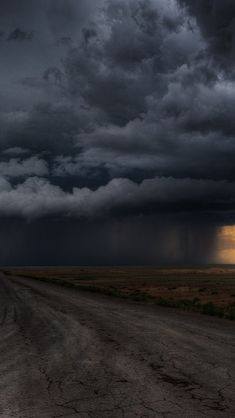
[(36, 196), (20, 35), (216, 20), (117, 108)]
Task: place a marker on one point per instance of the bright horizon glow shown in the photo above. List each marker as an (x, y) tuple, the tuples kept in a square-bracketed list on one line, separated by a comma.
[(226, 245)]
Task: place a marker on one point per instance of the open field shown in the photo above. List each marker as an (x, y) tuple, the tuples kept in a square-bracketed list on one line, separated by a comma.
[(66, 353), (209, 290)]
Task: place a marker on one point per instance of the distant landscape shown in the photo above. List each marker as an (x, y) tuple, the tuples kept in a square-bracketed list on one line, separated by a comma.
[(209, 290)]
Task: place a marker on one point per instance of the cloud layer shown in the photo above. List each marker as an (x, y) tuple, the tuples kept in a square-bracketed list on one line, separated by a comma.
[(117, 107), (37, 197)]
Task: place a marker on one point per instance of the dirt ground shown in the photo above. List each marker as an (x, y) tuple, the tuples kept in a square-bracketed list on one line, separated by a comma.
[(70, 353)]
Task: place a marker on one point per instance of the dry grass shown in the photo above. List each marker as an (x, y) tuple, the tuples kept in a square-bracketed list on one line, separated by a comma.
[(212, 287)]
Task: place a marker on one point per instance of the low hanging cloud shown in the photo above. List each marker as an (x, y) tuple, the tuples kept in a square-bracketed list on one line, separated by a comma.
[(16, 168), (37, 197), (15, 151)]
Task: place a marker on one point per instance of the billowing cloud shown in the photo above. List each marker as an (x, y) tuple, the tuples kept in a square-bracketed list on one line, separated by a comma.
[(15, 151), (217, 23), (123, 105), (37, 197), (23, 168)]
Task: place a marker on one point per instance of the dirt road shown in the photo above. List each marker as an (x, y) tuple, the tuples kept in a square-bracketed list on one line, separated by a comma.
[(74, 354)]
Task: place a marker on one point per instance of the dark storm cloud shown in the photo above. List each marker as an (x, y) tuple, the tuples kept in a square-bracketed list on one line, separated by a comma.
[(20, 35), (15, 151), (130, 63), (216, 20), (64, 41), (37, 197), (68, 16), (53, 74), (23, 168), (48, 127), (88, 34), (138, 95)]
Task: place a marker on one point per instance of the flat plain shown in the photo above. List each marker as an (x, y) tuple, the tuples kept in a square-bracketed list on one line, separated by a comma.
[(209, 289)]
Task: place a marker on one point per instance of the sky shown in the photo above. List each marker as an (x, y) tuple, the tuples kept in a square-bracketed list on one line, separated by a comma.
[(117, 131)]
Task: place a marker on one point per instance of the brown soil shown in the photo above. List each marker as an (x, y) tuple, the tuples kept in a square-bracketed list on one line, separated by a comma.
[(214, 284)]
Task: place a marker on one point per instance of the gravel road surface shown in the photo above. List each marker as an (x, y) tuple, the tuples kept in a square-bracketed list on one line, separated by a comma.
[(66, 353)]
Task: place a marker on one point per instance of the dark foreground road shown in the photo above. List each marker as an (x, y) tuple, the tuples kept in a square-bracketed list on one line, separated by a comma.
[(72, 354)]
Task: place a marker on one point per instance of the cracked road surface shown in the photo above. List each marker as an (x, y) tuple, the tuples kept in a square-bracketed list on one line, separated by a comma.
[(65, 353)]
